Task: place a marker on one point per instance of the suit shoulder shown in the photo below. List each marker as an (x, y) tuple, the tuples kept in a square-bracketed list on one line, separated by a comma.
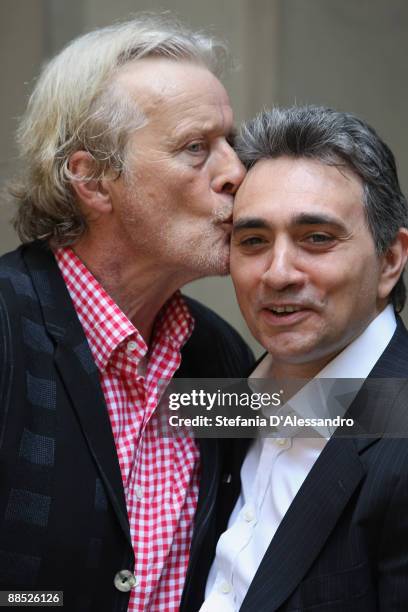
[(218, 342), (205, 317), (393, 363), (15, 280), (12, 262), (209, 322)]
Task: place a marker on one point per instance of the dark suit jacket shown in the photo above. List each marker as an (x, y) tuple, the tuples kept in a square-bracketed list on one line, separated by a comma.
[(63, 519), (343, 543)]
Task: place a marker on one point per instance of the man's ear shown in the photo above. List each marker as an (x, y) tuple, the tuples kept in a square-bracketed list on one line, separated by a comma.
[(393, 262), (91, 192)]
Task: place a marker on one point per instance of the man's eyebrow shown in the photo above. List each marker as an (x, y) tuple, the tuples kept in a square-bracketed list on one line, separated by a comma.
[(198, 130), (317, 219), (301, 219), (250, 223)]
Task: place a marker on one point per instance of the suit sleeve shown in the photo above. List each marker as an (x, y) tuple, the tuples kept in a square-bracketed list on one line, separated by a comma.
[(6, 362), (393, 550)]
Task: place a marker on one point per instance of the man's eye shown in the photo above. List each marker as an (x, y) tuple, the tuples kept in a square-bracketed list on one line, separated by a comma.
[(319, 238), (251, 241), (196, 147)]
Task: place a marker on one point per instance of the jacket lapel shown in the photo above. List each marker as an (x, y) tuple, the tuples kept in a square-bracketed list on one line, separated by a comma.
[(83, 387), (306, 525), (78, 372)]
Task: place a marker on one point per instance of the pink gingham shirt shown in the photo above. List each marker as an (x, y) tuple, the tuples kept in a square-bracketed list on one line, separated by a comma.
[(160, 475)]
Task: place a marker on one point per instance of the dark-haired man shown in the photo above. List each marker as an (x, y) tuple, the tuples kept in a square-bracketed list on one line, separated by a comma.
[(319, 245)]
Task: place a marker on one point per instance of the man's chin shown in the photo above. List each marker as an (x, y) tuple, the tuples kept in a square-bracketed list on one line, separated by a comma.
[(217, 262), (217, 268), (223, 265)]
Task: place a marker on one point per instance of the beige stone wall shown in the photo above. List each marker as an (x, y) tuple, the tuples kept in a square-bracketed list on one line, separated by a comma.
[(21, 53), (346, 54)]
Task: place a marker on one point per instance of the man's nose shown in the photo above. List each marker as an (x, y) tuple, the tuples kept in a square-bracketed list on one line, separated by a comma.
[(229, 171), (283, 269)]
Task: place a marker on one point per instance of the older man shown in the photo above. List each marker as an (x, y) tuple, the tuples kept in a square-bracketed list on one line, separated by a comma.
[(126, 196), (319, 244)]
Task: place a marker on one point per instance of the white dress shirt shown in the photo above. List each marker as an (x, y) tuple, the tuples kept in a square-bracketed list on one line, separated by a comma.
[(273, 472)]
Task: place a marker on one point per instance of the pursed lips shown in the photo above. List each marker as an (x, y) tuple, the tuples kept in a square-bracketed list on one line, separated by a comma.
[(225, 224)]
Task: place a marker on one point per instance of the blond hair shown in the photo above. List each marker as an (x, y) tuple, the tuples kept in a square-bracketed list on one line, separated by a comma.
[(76, 105)]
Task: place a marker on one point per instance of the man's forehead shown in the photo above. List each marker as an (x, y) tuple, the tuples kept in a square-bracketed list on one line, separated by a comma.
[(287, 182), (155, 82)]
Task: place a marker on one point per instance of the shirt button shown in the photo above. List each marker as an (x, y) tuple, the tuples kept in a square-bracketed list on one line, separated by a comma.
[(225, 587), (139, 492), (124, 581), (131, 346), (249, 516), (280, 441)]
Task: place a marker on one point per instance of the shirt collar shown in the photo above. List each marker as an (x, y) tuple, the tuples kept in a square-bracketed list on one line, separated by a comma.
[(342, 378), (104, 323), (360, 356)]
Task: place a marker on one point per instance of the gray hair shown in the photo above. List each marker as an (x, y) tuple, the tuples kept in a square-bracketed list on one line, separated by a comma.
[(76, 105), (335, 138)]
